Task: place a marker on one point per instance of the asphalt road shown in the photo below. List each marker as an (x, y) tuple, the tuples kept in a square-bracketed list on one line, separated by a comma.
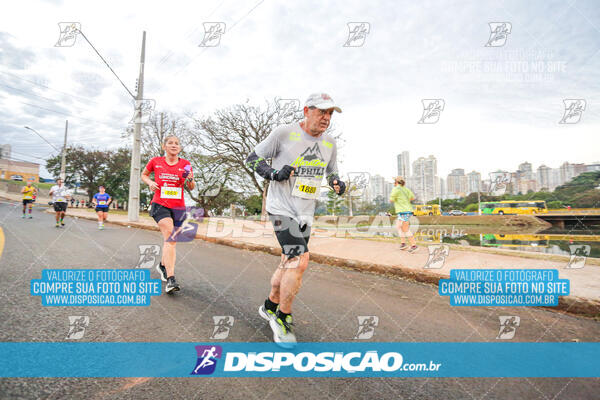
[(219, 280)]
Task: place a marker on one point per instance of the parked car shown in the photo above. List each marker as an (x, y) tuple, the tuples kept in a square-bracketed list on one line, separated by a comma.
[(16, 178), (457, 212)]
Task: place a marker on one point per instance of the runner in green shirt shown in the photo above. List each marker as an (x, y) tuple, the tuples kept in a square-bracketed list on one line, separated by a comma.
[(401, 197)]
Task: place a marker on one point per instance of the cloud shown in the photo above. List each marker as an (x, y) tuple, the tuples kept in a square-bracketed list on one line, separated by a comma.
[(90, 84), (12, 56)]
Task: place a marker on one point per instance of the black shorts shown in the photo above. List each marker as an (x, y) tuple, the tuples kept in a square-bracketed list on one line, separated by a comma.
[(158, 212), (292, 237), (103, 209), (27, 201), (60, 206)]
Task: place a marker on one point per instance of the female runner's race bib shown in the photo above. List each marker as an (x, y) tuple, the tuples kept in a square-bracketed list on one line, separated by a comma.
[(167, 192), (306, 188), (102, 202)]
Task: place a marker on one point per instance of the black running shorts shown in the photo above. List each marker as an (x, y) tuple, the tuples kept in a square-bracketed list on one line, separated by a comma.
[(158, 212), (292, 237), (103, 209), (60, 206), (27, 201)]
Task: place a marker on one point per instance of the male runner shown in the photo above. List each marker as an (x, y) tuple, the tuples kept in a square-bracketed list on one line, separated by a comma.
[(301, 153), (101, 202), (29, 192), (60, 195)]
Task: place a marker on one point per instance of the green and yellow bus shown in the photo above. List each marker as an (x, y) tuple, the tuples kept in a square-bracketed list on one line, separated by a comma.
[(514, 207), (427, 209)]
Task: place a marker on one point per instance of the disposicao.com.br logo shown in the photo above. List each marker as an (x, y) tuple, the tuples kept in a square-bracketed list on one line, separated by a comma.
[(301, 362)]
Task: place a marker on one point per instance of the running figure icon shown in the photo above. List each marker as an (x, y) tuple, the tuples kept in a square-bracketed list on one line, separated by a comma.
[(207, 361)]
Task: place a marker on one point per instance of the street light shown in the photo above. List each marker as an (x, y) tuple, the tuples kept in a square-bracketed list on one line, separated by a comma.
[(62, 152), (44, 139)]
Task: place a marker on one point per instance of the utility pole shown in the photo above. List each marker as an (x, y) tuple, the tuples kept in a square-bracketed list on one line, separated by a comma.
[(63, 162), (133, 212)]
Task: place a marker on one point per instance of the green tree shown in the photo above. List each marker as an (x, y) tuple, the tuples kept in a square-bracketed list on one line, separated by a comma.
[(116, 176), (88, 166), (366, 208), (577, 186), (588, 199), (554, 204), (253, 204), (223, 201), (334, 203), (473, 207)]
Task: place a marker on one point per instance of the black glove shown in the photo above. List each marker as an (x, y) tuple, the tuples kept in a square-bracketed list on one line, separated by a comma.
[(283, 174), (341, 184)]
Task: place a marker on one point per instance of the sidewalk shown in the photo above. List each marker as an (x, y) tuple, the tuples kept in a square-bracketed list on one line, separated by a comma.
[(384, 256)]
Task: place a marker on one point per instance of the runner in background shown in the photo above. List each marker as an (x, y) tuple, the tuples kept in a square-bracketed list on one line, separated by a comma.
[(171, 174), (101, 201), (60, 195), (401, 197), (29, 192)]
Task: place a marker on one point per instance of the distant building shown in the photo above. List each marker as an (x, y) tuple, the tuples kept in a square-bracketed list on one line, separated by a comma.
[(403, 165), (442, 189), (424, 181), (555, 178), (526, 185), (543, 177), (526, 171), (473, 182), (457, 183), (595, 166), (5, 150), (388, 190), (377, 187), (19, 170)]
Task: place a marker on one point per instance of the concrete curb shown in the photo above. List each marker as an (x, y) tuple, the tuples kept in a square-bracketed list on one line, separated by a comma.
[(568, 304)]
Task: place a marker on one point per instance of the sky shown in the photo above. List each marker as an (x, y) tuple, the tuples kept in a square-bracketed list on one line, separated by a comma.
[(502, 102)]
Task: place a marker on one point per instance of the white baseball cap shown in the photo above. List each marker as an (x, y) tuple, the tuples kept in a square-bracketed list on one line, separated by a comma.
[(321, 101)]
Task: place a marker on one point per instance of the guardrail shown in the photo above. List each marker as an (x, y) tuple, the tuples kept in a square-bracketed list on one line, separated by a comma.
[(574, 211)]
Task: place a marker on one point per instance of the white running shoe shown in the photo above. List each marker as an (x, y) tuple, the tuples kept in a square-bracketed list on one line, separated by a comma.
[(282, 332), (267, 315)]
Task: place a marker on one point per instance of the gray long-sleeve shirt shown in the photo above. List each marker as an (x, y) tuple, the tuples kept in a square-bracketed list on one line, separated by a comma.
[(313, 158)]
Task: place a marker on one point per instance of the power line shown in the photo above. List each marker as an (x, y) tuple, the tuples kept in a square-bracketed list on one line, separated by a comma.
[(15, 159), (109, 67), (46, 87), (36, 95), (23, 91), (62, 113), (27, 155)]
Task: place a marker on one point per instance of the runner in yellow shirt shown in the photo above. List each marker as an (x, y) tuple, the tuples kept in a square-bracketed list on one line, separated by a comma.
[(401, 197), (28, 192)]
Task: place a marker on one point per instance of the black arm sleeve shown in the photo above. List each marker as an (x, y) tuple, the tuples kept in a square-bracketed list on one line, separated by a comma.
[(260, 166)]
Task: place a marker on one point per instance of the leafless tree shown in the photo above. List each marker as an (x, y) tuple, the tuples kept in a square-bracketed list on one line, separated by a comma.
[(230, 134), (158, 127)]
